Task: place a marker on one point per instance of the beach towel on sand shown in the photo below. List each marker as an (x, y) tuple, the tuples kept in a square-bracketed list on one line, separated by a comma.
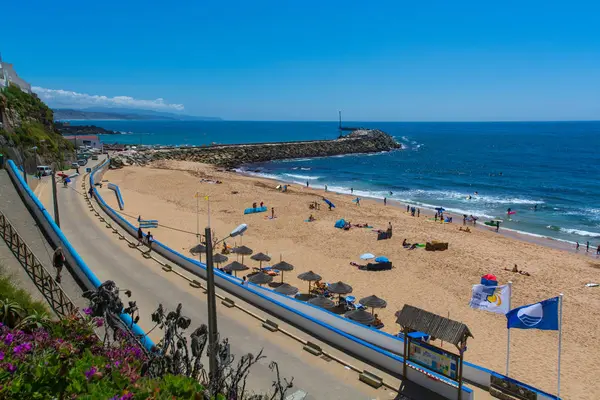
[(255, 210)]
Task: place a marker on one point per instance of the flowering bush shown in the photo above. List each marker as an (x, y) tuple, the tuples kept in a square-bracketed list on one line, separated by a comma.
[(67, 360)]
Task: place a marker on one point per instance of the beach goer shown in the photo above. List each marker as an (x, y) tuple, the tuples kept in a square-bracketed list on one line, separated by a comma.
[(150, 240), (497, 226), (418, 212), (358, 201), (272, 212), (261, 204), (407, 208), (254, 205), (598, 250), (577, 246), (587, 247), (244, 280), (306, 183), (351, 190), (58, 260), (325, 187), (385, 201), (140, 236), (405, 243), (311, 218), (464, 219), (391, 193), (535, 207), (435, 217), (91, 192)]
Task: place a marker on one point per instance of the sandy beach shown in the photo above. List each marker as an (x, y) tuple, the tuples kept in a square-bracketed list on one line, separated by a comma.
[(439, 282)]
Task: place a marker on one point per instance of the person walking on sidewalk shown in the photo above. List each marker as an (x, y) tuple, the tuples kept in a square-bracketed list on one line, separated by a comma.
[(58, 261), (150, 240), (140, 236)]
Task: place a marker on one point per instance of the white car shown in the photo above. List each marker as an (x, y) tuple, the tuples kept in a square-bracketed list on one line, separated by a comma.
[(44, 170)]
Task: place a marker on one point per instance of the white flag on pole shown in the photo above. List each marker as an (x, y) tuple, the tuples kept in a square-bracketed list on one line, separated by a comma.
[(491, 298)]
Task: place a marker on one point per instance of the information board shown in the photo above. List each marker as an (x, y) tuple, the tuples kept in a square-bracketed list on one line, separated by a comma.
[(433, 358)]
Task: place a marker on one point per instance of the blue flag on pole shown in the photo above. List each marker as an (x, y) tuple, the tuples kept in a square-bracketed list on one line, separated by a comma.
[(542, 315)]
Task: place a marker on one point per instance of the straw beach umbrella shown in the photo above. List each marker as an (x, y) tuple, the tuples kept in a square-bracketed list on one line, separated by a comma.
[(283, 266), (360, 316), (286, 289), (309, 277), (373, 302), (235, 267), (323, 302), (219, 258), (260, 257), (339, 288), (198, 250), (260, 278), (243, 250)]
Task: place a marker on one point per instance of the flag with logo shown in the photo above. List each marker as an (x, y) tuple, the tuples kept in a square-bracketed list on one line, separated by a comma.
[(542, 315), (491, 298)]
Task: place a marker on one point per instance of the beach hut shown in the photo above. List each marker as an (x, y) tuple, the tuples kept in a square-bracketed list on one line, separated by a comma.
[(373, 302), (235, 267), (286, 289), (360, 316), (323, 302), (283, 266), (260, 257), (260, 278)]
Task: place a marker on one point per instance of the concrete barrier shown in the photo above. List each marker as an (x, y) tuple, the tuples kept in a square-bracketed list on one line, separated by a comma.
[(379, 348), (85, 276)]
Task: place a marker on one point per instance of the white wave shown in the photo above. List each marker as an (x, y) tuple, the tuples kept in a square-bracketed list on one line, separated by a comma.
[(257, 174), (305, 169), (405, 138), (293, 160), (298, 176), (580, 232)]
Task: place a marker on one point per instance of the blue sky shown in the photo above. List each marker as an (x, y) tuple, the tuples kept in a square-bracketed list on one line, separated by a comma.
[(280, 60)]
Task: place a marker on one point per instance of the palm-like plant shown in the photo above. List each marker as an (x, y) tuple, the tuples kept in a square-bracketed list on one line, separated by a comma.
[(33, 321), (11, 313)]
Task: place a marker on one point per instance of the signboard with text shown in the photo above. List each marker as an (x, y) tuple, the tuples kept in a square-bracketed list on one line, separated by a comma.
[(434, 358)]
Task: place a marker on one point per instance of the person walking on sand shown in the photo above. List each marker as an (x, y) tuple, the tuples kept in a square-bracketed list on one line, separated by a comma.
[(407, 208), (587, 247), (358, 201), (306, 183), (497, 226), (385, 201), (435, 217), (576, 246), (150, 240), (418, 212), (140, 236), (464, 219), (325, 187), (58, 260), (598, 250), (272, 212)]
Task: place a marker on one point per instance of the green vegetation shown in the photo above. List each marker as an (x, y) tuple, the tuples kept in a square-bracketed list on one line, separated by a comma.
[(10, 293), (30, 123)]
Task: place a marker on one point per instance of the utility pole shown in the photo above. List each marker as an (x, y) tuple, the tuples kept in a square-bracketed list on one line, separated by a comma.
[(55, 199), (212, 305)]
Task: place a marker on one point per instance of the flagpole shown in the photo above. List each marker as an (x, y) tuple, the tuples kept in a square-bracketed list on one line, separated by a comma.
[(560, 299), (197, 216), (208, 199), (508, 329)]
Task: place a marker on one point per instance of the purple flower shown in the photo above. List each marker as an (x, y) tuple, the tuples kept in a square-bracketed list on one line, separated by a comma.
[(90, 372), (117, 363), (99, 322), (8, 339), (22, 348), (87, 311), (1, 356), (10, 368)]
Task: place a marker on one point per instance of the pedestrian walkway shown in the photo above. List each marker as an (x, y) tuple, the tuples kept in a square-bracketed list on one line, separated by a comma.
[(15, 210)]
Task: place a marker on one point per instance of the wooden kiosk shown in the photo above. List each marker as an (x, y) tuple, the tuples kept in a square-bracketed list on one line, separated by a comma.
[(412, 319)]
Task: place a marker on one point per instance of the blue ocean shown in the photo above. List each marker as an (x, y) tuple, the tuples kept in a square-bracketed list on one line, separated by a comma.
[(548, 172)]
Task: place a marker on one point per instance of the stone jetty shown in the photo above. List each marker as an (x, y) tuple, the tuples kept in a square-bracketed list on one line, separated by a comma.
[(231, 156)]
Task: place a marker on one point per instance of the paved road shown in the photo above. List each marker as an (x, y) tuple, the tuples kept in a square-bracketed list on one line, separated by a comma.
[(15, 210), (112, 259)]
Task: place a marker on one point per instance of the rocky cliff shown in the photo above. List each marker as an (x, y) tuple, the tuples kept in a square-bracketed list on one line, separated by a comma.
[(27, 131), (231, 156)]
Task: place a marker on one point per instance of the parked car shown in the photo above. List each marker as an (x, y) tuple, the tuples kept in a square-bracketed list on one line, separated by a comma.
[(94, 157), (82, 162), (74, 165), (44, 170)]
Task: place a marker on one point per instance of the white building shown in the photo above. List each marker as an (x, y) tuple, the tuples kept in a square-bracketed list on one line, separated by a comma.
[(92, 141), (9, 75)]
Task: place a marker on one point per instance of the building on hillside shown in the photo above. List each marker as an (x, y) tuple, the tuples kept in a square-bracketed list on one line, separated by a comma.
[(93, 141), (8, 75)]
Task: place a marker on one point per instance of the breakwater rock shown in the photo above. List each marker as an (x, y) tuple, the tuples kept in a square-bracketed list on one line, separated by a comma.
[(231, 156)]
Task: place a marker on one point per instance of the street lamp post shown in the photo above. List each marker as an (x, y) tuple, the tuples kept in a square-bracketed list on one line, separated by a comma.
[(212, 301)]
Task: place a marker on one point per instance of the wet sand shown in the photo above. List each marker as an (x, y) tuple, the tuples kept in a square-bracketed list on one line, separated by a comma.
[(439, 282)]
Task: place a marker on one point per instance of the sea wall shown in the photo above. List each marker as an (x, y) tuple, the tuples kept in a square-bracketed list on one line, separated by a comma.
[(230, 156)]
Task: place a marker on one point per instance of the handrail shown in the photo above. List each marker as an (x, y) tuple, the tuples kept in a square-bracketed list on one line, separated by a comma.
[(60, 302)]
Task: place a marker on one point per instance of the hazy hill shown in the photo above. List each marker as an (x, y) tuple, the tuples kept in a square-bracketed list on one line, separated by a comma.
[(95, 113)]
